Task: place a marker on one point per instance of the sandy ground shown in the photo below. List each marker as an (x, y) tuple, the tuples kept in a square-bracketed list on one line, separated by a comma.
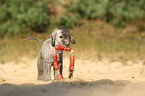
[(91, 78)]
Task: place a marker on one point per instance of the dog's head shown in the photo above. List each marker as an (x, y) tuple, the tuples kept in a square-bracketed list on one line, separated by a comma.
[(60, 35)]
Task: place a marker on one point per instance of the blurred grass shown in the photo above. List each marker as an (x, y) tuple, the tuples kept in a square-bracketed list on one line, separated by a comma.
[(94, 40), (98, 39)]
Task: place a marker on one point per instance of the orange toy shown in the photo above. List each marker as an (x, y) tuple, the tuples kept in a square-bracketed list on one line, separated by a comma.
[(72, 60), (60, 47), (56, 66)]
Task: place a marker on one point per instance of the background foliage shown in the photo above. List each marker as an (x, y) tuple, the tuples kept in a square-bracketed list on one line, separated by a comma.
[(19, 17), (118, 12)]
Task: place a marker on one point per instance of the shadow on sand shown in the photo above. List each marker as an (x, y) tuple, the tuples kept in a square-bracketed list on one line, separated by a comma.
[(103, 87)]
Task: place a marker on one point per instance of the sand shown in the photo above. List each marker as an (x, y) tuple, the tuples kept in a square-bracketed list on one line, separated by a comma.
[(91, 78)]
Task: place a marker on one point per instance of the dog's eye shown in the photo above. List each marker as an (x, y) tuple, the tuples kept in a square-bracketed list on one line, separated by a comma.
[(60, 36)]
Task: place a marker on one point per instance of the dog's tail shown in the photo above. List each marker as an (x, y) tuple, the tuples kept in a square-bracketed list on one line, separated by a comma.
[(34, 39)]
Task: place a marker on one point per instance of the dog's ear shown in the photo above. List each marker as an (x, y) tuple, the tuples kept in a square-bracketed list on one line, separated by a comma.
[(52, 36), (73, 41)]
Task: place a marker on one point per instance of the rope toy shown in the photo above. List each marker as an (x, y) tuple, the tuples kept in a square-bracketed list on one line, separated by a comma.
[(72, 60)]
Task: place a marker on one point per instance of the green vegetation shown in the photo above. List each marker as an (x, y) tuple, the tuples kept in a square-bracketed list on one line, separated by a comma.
[(20, 17), (118, 12), (70, 20)]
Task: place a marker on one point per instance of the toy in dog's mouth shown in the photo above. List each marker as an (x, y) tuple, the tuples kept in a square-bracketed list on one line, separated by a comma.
[(60, 47), (72, 60)]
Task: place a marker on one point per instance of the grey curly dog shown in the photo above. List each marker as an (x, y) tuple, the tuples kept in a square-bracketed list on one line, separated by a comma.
[(60, 35)]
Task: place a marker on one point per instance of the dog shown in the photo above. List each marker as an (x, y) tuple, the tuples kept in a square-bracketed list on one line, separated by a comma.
[(60, 36)]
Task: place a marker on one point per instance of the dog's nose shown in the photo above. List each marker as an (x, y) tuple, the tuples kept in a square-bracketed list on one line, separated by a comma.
[(67, 42), (67, 45)]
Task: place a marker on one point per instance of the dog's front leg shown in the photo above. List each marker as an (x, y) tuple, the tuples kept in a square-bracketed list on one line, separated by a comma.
[(55, 74), (59, 61), (60, 70), (46, 70)]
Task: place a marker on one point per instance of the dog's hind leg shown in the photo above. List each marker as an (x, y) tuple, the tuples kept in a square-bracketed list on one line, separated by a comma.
[(46, 70), (40, 67)]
